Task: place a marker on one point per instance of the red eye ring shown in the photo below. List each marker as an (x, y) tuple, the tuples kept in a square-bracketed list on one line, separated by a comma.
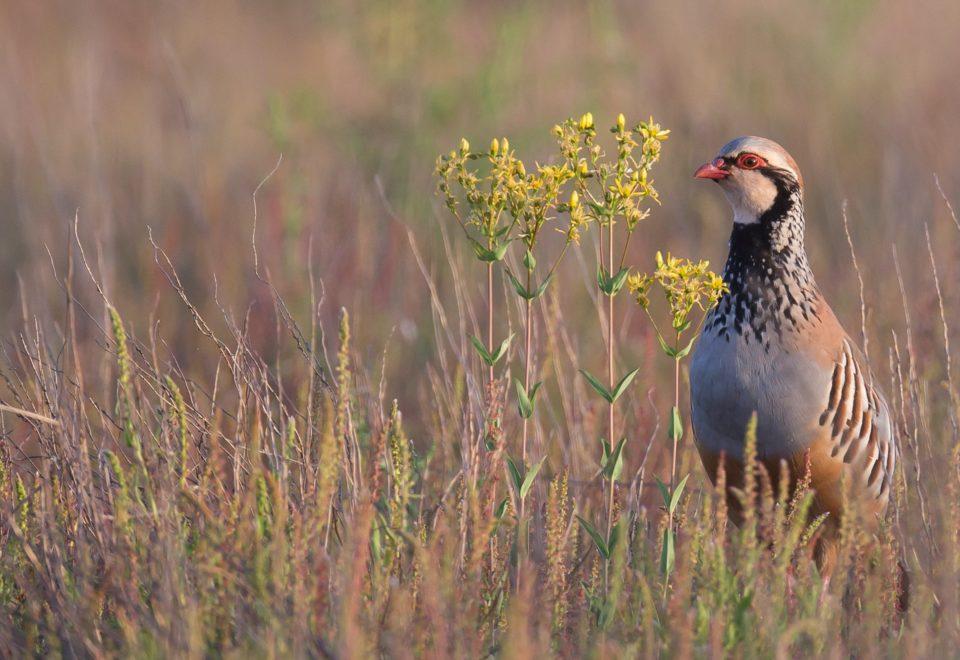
[(750, 162)]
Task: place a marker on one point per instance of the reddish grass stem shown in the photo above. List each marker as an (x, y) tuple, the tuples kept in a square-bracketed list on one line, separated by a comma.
[(610, 375), (490, 318), (676, 404)]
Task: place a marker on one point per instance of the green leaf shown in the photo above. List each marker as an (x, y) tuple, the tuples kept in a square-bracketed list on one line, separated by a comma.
[(502, 350), (685, 351), (542, 287), (667, 553), (529, 260), (596, 536), (514, 473), (501, 508), (523, 400), (664, 492), (597, 386), (523, 292), (375, 542), (483, 254), (675, 429), (623, 384), (529, 479), (675, 498), (612, 463), (614, 537), (482, 350), (486, 254), (533, 392), (616, 283), (598, 209), (488, 358), (517, 286), (611, 285), (670, 351)]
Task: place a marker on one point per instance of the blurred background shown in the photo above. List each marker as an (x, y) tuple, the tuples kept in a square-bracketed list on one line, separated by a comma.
[(139, 116)]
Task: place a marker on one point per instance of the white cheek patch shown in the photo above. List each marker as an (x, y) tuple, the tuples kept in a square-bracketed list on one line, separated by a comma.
[(750, 193)]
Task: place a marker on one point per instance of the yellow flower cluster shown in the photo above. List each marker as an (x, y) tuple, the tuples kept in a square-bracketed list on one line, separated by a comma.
[(639, 284), (686, 284), (529, 199), (491, 194), (614, 188), (486, 196)]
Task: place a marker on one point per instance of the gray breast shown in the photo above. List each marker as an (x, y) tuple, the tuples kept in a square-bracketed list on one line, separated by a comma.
[(732, 375)]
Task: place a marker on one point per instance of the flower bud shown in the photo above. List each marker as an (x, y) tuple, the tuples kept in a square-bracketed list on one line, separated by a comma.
[(464, 145), (506, 145), (574, 200), (494, 147), (621, 122)]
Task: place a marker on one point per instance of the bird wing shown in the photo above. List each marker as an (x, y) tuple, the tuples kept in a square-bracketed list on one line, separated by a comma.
[(857, 437)]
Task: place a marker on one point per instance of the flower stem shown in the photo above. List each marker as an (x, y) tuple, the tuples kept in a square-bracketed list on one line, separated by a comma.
[(676, 403), (490, 317), (611, 383), (522, 529), (528, 340)]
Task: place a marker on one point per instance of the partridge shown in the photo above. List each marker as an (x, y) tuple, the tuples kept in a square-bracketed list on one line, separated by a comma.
[(772, 346)]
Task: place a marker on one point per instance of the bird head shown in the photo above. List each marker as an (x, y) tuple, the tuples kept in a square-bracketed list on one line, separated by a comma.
[(753, 173)]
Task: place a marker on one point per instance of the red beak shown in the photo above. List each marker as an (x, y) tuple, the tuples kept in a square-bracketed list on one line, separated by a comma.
[(712, 170)]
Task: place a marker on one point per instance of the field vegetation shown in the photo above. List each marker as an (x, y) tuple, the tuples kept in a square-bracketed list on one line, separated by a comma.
[(277, 381)]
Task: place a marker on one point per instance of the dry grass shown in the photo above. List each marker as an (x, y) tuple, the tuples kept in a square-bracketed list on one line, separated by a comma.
[(224, 477)]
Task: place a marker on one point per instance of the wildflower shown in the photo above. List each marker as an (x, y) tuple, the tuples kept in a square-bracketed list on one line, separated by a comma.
[(687, 285), (638, 284), (652, 131)]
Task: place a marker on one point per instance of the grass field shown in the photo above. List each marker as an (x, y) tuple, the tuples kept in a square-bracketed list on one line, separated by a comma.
[(242, 412)]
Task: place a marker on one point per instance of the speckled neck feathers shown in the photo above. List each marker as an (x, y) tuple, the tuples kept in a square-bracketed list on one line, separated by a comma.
[(772, 289)]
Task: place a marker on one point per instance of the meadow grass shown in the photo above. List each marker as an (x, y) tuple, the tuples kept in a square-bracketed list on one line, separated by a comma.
[(282, 510), (297, 449)]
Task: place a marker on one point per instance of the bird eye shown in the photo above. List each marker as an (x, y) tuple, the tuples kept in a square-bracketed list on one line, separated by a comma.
[(749, 162)]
